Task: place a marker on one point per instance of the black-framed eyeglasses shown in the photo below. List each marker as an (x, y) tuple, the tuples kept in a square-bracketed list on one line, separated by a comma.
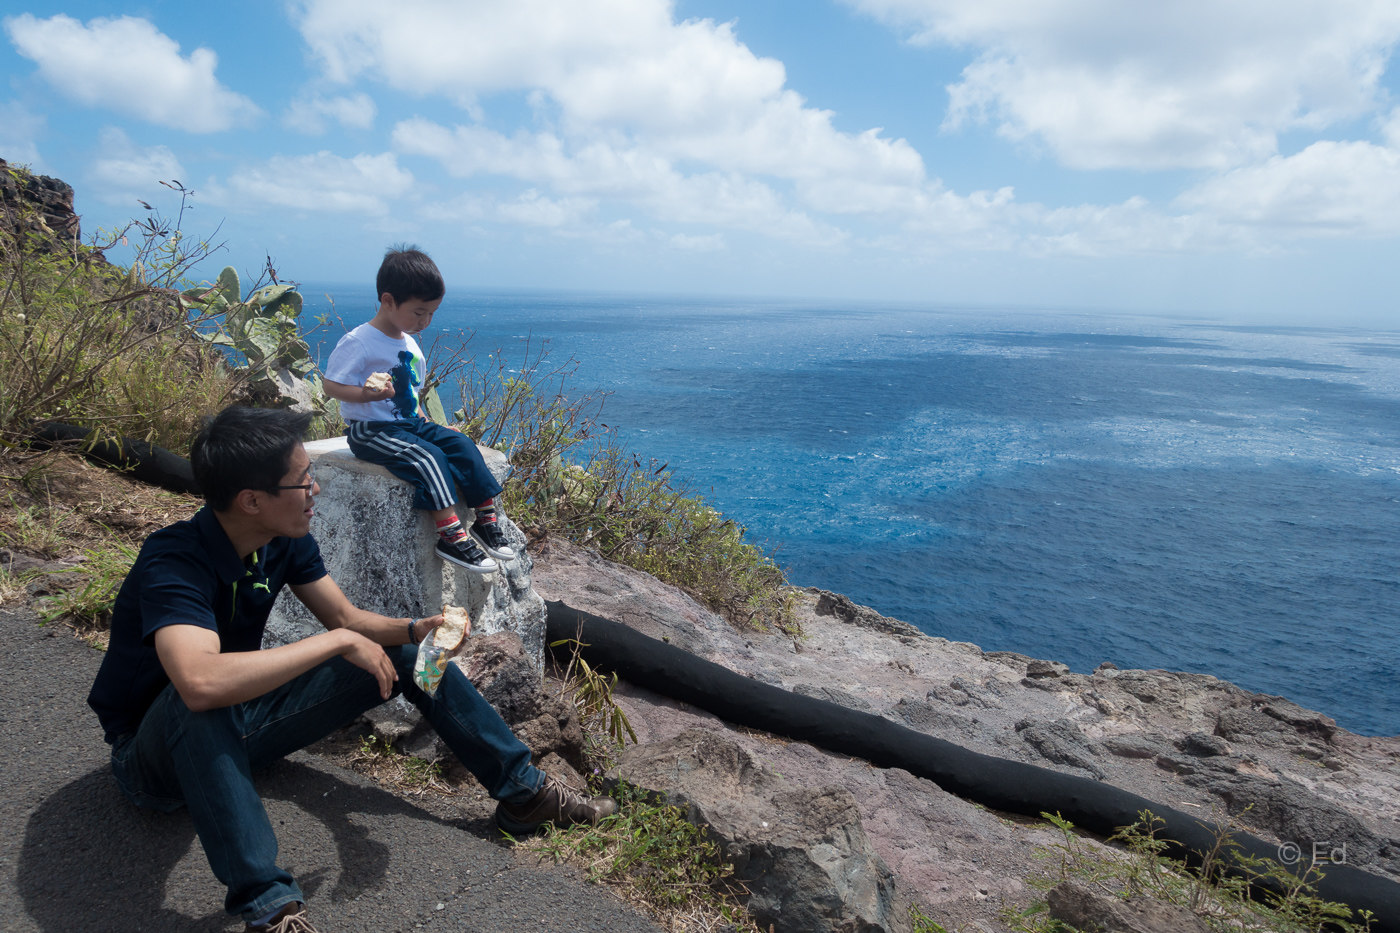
[(304, 487)]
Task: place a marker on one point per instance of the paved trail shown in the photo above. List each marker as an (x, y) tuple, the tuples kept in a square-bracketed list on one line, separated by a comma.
[(77, 857)]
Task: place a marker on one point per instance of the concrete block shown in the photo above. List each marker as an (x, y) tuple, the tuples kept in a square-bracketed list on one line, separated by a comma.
[(379, 549)]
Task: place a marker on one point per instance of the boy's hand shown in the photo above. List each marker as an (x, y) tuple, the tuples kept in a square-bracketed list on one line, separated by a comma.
[(379, 386)]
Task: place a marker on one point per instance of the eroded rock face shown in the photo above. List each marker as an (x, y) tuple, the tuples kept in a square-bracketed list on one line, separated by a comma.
[(379, 549), (801, 851), (40, 205), (1191, 741)]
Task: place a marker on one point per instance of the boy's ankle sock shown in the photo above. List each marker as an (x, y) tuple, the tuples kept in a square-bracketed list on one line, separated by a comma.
[(450, 529), (486, 512)]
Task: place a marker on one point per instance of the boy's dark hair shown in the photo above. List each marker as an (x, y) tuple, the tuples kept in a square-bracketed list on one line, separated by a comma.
[(406, 273), (245, 448)]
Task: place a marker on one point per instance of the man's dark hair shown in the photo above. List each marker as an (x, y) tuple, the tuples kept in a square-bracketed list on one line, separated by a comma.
[(406, 273), (245, 448)]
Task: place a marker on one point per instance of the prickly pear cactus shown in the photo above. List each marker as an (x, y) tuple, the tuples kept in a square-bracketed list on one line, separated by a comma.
[(264, 329)]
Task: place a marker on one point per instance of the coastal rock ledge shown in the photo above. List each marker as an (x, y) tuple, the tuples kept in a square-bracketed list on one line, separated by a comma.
[(1191, 741)]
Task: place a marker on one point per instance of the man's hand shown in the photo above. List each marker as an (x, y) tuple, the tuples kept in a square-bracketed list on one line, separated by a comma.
[(209, 678), (423, 629), (369, 656)]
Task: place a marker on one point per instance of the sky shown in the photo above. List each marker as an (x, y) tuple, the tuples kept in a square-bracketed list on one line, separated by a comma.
[(1235, 159)]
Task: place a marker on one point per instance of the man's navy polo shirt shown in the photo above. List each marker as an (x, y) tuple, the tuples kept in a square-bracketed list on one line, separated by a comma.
[(190, 574)]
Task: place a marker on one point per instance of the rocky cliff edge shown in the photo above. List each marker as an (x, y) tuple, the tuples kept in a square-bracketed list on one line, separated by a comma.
[(1190, 741)]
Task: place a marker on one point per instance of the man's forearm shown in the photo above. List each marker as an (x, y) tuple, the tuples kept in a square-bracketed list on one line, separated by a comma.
[(382, 630), (209, 679)]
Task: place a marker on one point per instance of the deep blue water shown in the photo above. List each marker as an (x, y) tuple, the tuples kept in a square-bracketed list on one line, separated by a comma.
[(1079, 487)]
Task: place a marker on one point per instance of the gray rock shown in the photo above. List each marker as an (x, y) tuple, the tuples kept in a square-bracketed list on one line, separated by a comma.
[(801, 851), (961, 692), (379, 549), (1294, 814), (961, 863), (1203, 745), (1132, 747), (1085, 909), (832, 695), (1038, 668), (1062, 743), (498, 667), (843, 609)]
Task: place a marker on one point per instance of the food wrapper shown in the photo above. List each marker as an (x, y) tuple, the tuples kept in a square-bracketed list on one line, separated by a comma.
[(436, 651), (430, 666)]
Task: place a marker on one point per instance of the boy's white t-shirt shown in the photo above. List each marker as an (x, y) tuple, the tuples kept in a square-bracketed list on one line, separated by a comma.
[(366, 350)]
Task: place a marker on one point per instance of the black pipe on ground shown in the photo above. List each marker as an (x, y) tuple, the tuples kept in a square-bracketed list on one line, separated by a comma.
[(997, 783), (143, 461)]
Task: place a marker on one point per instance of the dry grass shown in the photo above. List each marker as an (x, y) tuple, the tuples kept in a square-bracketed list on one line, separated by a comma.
[(90, 521), (54, 505)]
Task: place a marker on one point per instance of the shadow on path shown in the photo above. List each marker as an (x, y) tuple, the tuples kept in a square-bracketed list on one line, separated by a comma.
[(91, 860)]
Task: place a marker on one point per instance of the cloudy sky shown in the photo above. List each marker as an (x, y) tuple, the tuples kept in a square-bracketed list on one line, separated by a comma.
[(1236, 158)]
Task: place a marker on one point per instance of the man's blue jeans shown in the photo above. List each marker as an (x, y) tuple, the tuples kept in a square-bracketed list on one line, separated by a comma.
[(205, 761)]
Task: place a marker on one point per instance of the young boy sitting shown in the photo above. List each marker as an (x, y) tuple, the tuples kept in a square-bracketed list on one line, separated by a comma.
[(386, 426)]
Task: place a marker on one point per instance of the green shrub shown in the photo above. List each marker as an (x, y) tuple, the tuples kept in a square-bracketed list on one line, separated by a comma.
[(659, 857), (1229, 892), (87, 604), (85, 342)]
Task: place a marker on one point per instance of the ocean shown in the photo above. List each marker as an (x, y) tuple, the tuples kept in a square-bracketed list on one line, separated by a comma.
[(1081, 487)]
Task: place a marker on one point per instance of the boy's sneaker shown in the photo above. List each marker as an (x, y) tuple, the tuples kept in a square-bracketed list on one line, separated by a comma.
[(490, 536), (464, 553), (290, 919), (556, 803)]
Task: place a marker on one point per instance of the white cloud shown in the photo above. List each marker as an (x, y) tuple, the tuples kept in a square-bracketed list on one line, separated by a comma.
[(125, 173), (1196, 83), (310, 115), (126, 65), (618, 85), (319, 183), (532, 209), (680, 130), (1330, 188), (630, 174)]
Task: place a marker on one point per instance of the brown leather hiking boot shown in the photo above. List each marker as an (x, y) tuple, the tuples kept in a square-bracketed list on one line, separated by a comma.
[(556, 803), (290, 919)]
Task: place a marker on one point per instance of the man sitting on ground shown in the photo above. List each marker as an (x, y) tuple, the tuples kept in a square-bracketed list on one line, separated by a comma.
[(191, 704)]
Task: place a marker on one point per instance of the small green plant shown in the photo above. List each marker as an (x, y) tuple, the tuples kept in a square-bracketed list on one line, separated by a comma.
[(920, 922), (1229, 891), (13, 586), (605, 725), (28, 530), (649, 851), (87, 606), (377, 757)]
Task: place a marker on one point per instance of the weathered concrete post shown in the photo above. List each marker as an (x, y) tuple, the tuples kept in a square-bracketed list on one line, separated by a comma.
[(380, 551)]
